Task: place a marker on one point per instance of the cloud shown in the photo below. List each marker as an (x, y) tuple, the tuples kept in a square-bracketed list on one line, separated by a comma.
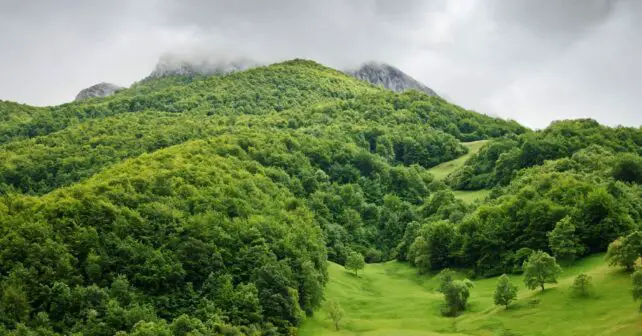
[(533, 61)]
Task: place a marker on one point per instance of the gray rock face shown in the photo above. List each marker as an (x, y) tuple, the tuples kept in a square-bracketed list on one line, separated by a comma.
[(389, 77), (98, 90), (189, 65)]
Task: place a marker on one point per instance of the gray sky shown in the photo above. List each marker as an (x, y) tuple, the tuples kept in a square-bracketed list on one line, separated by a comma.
[(530, 60)]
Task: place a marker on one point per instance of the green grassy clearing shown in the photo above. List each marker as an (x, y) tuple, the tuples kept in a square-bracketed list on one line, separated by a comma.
[(391, 299), (472, 195), (441, 171)]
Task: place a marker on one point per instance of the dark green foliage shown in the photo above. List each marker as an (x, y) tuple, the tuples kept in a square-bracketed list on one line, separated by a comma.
[(636, 279), (505, 292), (628, 168), (564, 241), (540, 269)]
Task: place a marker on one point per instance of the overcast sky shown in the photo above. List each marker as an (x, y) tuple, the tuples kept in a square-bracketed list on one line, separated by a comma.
[(530, 60)]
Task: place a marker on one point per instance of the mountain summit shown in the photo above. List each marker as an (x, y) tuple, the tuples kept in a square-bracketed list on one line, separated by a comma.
[(98, 90), (190, 65), (389, 77)]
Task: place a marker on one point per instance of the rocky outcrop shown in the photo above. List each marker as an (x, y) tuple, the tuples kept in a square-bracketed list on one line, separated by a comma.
[(389, 77), (98, 90), (189, 65)]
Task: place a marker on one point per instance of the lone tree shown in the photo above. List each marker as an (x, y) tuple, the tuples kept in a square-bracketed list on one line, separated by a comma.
[(582, 285), (625, 250), (539, 269), (505, 292), (355, 262), (456, 294), (335, 312)]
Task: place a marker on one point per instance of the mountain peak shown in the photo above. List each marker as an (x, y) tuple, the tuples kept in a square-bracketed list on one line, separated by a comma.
[(389, 77), (172, 64), (99, 90)]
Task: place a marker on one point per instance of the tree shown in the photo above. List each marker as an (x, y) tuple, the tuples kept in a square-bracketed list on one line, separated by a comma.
[(456, 295), (564, 241), (334, 310), (625, 250), (540, 268), (636, 279), (446, 276), (505, 292), (582, 285), (355, 262)]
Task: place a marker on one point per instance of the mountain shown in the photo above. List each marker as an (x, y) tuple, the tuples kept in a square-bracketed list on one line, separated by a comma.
[(98, 90), (211, 205), (190, 65), (389, 77)]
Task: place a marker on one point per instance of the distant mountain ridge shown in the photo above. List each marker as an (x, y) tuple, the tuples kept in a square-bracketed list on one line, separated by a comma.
[(389, 77), (169, 64)]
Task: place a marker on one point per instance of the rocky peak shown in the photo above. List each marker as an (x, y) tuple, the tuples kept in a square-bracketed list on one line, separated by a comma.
[(389, 77), (98, 90), (191, 65)]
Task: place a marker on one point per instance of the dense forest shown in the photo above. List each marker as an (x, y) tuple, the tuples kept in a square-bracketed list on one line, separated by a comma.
[(211, 205)]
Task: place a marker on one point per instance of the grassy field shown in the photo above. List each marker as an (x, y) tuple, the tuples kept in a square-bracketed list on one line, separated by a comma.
[(471, 196), (441, 171), (391, 299)]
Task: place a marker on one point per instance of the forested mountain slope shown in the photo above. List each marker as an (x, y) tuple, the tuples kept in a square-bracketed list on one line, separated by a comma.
[(209, 205)]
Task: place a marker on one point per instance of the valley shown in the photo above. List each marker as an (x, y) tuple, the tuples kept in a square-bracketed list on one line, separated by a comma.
[(232, 201), (392, 299)]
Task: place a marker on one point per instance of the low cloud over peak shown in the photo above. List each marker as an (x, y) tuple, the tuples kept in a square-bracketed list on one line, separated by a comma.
[(530, 61)]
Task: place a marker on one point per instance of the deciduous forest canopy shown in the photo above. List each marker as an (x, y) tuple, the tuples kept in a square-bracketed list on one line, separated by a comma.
[(210, 205)]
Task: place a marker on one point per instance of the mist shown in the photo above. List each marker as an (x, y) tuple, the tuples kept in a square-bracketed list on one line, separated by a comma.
[(534, 62)]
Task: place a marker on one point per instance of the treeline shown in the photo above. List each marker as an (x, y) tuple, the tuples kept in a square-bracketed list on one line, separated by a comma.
[(210, 205), (184, 235), (500, 159)]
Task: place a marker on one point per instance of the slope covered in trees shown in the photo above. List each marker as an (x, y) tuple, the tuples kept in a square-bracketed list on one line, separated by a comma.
[(500, 159), (210, 205)]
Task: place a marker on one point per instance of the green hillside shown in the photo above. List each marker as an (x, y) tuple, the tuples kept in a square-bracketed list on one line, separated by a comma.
[(214, 205), (391, 299)]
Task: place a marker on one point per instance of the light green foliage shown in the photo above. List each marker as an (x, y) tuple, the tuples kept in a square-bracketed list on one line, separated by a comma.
[(505, 292), (624, 251), (540, 269), (355, 262), (582, 285), (335, 312)]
